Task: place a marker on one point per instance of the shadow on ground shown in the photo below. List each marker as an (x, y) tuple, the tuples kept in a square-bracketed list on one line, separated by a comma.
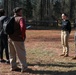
[(49, 72)]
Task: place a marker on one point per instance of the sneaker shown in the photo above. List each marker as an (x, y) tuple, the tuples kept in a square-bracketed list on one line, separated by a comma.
[(7, 61), (66, 55), (74, 57), (15, 69), (2, 61), (26, 70), (62, 54)]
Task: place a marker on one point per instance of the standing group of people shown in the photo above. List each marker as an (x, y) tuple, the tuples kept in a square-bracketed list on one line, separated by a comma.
[(15, 42)]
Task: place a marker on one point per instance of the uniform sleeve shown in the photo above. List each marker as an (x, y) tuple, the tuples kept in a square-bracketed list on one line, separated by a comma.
[(23, 28)]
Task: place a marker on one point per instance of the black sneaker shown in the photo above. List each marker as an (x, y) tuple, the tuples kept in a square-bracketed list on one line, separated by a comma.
[(26, 70), (2, 61), (15, 69)]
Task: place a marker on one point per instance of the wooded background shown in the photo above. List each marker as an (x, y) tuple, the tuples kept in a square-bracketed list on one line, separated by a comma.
[(42, 9)]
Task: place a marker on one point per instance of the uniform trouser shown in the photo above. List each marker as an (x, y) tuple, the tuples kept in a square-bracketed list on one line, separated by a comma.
[(64, 41), (17, 48), (4, 45)]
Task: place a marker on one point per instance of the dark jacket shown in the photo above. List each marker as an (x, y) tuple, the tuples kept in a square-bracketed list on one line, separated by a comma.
[(17, 36), (2, 19), (66, 25)]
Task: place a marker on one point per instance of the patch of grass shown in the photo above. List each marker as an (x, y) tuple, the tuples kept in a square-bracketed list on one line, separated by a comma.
[(43, 48)]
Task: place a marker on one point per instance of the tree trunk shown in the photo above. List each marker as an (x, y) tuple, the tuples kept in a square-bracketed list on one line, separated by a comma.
[(6, 6)]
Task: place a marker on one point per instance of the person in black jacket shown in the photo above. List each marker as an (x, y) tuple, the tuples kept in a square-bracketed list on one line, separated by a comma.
[(3, 39), (65, 32)]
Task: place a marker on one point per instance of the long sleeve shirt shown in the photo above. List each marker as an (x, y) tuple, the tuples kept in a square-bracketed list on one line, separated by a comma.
[(66, 25), (23, 28)]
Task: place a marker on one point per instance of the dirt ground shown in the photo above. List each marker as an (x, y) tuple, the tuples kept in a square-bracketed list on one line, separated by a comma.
[(43, 48)]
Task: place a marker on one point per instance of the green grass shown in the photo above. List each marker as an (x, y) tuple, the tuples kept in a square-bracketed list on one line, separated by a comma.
[(44, 54), (43, 48)]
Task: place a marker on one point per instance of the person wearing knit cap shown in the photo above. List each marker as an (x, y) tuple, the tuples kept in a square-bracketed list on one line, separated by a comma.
[(16, 42)]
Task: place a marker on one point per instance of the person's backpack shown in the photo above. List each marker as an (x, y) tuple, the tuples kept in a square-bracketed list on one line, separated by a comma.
[(8, 26), (1, 24)]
